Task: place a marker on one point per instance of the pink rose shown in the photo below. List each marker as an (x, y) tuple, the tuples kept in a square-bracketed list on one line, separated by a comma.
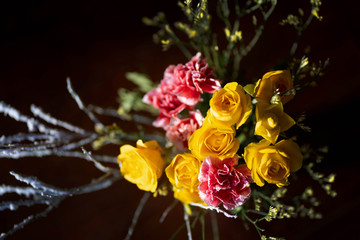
[(180, 130), (221, 182)]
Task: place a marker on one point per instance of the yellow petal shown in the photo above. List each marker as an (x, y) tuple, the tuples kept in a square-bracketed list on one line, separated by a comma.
[(293, 153)]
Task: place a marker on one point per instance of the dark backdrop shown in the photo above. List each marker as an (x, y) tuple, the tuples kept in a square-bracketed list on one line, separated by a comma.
[(95, 43)]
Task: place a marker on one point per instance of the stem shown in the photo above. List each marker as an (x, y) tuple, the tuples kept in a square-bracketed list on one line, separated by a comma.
[(80, 104), (187, 222), (214, 225), (167, 210), (137, 214)]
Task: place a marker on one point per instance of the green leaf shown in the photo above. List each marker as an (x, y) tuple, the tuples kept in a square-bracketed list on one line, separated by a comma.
[(141, 80), (250, 89)]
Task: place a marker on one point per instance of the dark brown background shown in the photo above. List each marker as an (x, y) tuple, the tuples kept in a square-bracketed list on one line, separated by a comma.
[(95, 44)]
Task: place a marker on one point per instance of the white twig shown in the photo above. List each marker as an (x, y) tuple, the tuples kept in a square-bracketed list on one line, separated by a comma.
[(38, 112), (31, 123), (214, 208), (26, 221), (167, 210), (45, 150), (187, 223), (20, 137), (26, 191), (14, 205), (137, 214), (97, 164), (100, 158), (47, 190), (80, 104)]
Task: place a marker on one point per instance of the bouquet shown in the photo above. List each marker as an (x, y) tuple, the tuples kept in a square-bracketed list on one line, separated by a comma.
[(214, 141)]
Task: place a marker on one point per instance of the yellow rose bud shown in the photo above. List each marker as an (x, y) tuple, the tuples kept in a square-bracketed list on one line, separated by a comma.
[(271, 120), (213, 140), (274, 82), (142, 165), (230, 105), (272, 163)]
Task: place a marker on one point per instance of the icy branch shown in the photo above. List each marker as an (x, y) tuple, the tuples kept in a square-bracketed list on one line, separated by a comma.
[(45, 194), (167, 210), (187, 222), (26, 191), (214, 208), (26, 221), (80, 104), (97, 164), (137, 214), (46, 190), (46, 117), (31, 123)]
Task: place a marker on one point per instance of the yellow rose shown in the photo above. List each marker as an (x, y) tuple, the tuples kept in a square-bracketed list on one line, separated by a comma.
[(187, 197), (142, 165), (215, 140), (271, 120), (230, 105), (272, 163), (272, 82), (183, 173)]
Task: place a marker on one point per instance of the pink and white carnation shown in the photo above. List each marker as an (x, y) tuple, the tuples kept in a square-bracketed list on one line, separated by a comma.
[(180, 130), (197, 75), (221, 182), (180, 89)]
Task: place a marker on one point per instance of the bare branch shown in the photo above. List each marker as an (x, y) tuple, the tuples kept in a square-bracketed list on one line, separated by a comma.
[(38, 112), (137, 214), (80, 104), (214, 208), (187, 222), (167, 210)]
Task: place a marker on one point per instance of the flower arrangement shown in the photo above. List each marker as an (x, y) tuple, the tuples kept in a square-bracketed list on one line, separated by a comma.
[(220, 144)]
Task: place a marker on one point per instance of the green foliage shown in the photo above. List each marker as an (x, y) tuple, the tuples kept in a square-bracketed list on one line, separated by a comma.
[(198, 34), (132, 100), (142, 81)]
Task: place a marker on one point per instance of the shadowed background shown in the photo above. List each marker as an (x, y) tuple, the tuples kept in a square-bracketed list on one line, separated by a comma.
[(95, 44)]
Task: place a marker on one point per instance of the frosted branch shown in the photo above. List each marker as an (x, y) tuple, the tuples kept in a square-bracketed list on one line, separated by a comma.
[(100, 158), (31, 123), (167, 210), (81, 105), (137, 214), (187, 223), (16, 151), (14, 205), (114, 113), (218, 210), (26, 221), (49, 119), (46, 190), (97, 164), (26, 191)]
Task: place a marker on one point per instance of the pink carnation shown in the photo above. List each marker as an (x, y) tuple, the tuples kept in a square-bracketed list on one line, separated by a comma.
[(180, 89), (180, 130), (221, 182), (198, 76), (167, 103)]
